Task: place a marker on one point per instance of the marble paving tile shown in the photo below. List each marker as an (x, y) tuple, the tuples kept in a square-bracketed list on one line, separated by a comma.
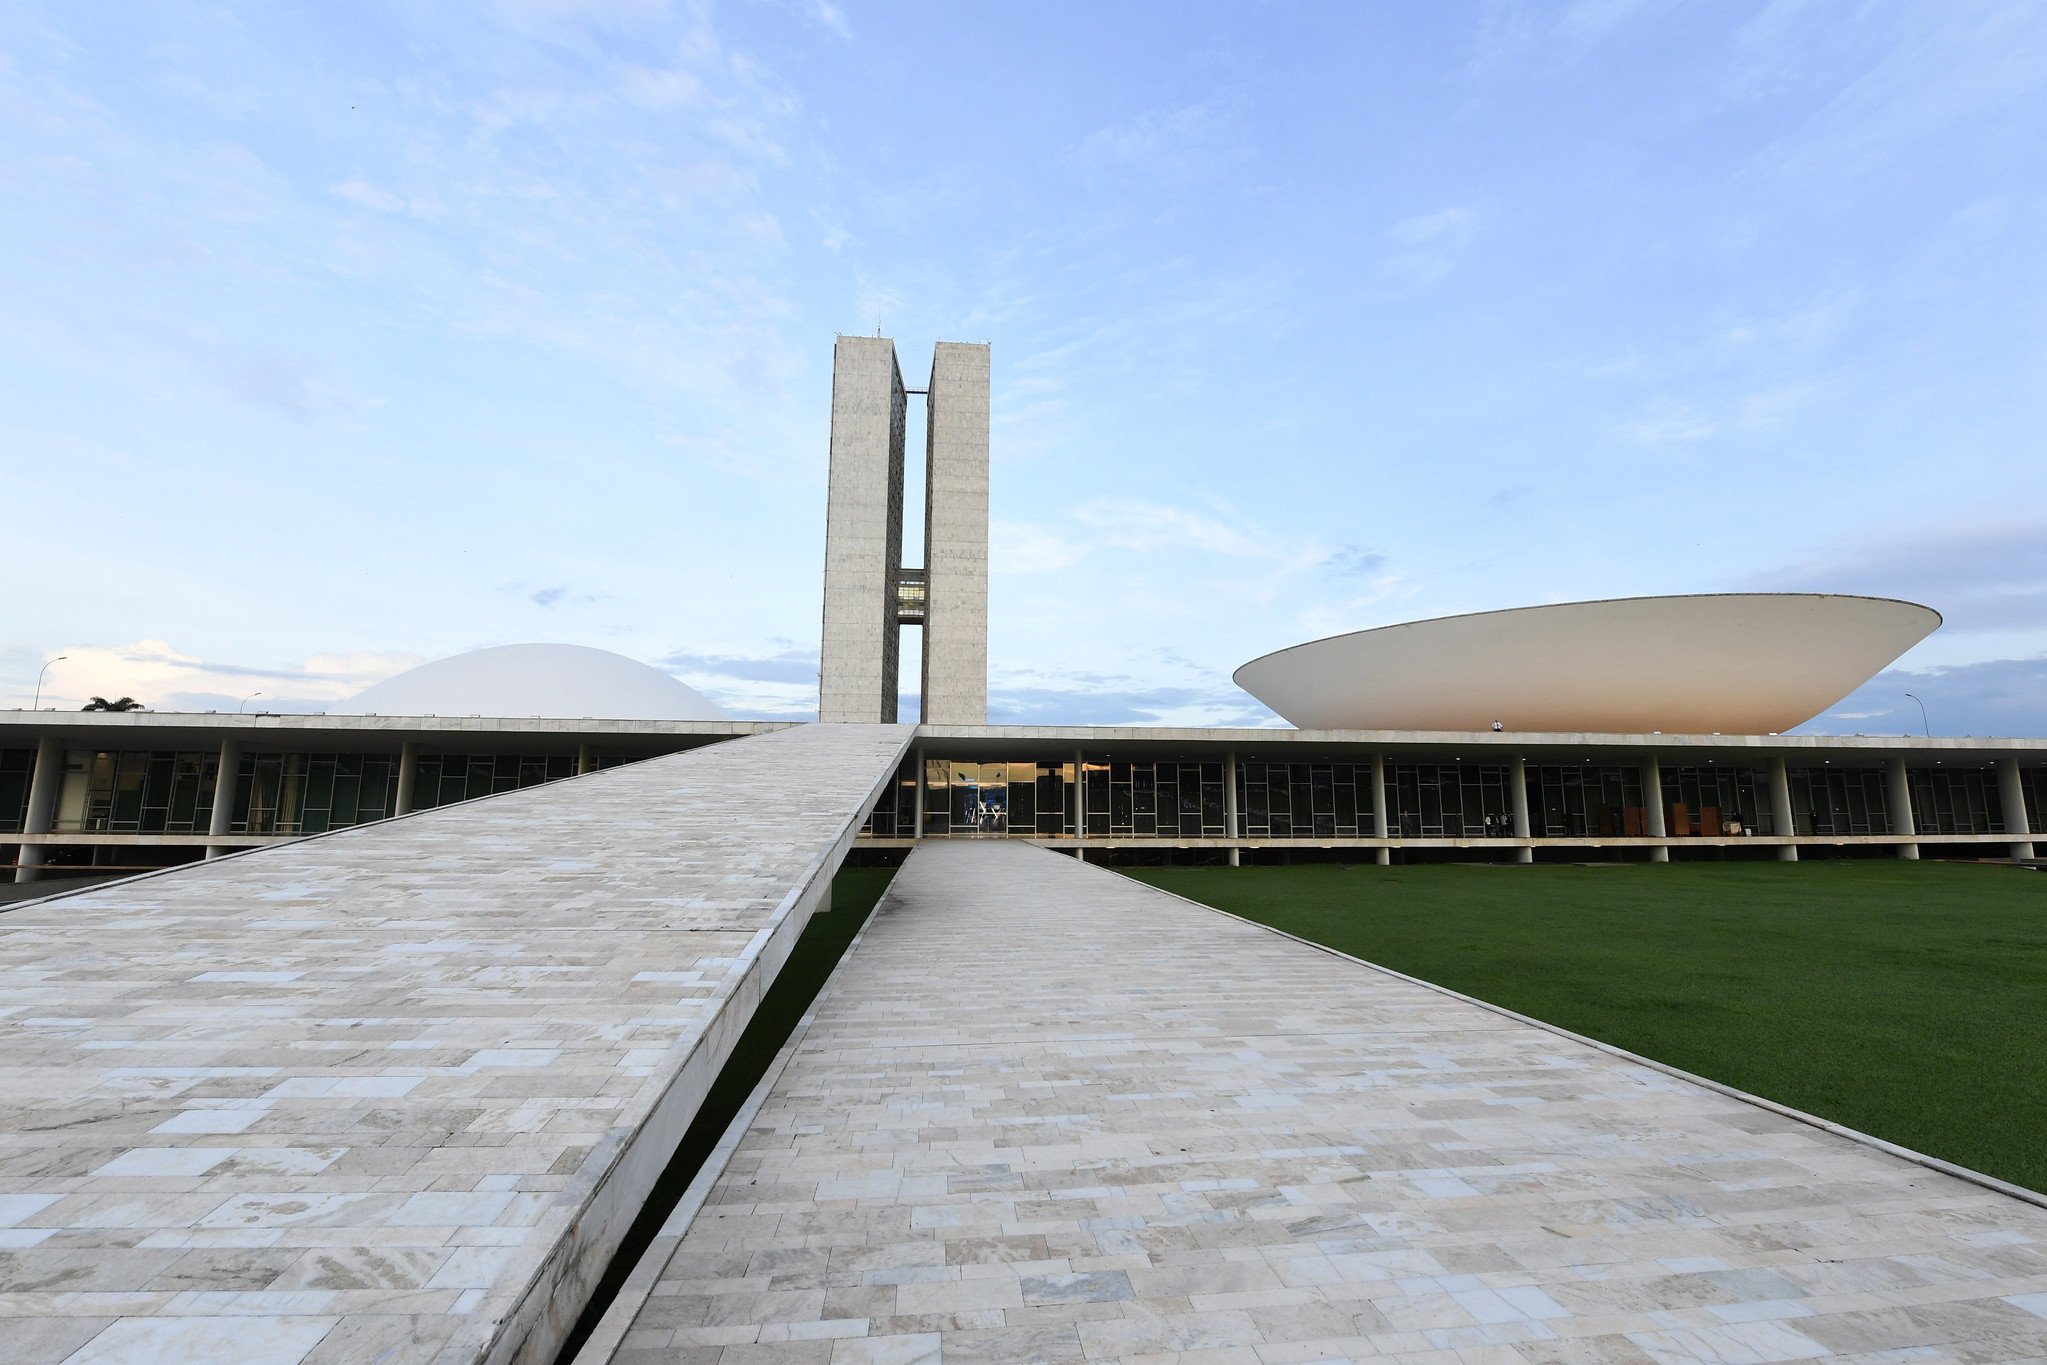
[(1045, 1113), (354, 1098)]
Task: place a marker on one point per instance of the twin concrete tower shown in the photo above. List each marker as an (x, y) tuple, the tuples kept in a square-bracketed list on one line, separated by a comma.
[(869, 595)]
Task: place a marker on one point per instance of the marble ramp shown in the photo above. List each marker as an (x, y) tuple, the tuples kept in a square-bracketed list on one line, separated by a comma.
[(1046, 1113), (393, 1094)]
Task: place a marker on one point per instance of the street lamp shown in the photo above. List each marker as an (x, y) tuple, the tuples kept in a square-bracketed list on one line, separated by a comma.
[(246, 700), (1923, 724), (37, 704)]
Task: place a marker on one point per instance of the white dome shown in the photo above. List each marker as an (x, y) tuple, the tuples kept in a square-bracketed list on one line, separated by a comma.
[(565, 682)]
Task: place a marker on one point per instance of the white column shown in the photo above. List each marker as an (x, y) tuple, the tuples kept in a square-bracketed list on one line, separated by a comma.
[(1079, 808), (43, 786), (1230, 805), (408, 776), (1652, 808), (225, 780), (1517, 780), (1780, 808), (586, 759), (1898, 792), (917, 818), (1381, 820), (2012, 796)]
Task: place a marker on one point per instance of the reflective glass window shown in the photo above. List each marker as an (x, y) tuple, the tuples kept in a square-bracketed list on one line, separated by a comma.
[(444, 779), (17, 770), (156, 792), (1955, 800), (1839, 801)]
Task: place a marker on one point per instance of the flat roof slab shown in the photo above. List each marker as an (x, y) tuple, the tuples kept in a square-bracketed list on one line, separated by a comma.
[(1047, 1113), (394, 1093)]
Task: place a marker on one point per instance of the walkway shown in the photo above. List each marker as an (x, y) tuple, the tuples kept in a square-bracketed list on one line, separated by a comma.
[(1046, 1113), (393, 1094)]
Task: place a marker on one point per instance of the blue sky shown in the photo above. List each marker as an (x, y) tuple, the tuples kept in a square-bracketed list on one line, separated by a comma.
[(340, 337)]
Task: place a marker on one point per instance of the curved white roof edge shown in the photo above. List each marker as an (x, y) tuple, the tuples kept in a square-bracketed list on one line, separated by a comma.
[(1701, 663), (1938, 619)]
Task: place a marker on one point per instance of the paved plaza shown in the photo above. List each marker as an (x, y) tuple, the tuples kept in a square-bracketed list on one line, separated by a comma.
[(1047, 1113), (394, 1094)]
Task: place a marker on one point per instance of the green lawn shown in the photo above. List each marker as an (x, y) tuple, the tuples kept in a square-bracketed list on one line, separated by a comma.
[(1908, 1000)]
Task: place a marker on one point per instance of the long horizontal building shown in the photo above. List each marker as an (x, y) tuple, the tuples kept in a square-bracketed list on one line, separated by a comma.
[(112, 792)]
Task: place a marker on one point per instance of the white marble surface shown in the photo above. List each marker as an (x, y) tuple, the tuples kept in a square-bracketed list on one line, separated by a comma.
[(363, 1097), (1047, 1113)]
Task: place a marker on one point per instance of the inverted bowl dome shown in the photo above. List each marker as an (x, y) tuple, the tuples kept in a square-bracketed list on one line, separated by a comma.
[(564, 682), (1732, 663)]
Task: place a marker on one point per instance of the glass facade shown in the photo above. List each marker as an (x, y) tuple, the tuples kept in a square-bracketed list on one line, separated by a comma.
[(1027, 799), (136, 792), (1315, 800), (895, 813), (17, 769), (2033, 785), (313, 793), (1168, 800), (168, 792), (1449, 800), (1955, 800), (913, 587), (1715, 801), (1155, 800), (1583, 800), (447, 778), (1306, 800), (1130, 800), (1839, 801)]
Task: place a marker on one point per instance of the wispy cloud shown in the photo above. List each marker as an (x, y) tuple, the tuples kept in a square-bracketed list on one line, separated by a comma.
[(1811, 327), (1672, 428), (1451, 225), (832, 18), (365, 195), (1340, 613), (1123, 706), (792, 664), (1188, 144), (1021, 548), (2000, 697), (1515, 40), (164, 678), (1177, 564), (1980, 578), (1958, 68), (1112, 699), (1426, 246), (776, 683), (555, 596), (288, 385), (1355, 561), (1265, 559), (1128, 524)]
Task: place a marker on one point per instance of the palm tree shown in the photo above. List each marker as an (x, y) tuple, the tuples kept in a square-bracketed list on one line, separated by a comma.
[(102, 704)]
